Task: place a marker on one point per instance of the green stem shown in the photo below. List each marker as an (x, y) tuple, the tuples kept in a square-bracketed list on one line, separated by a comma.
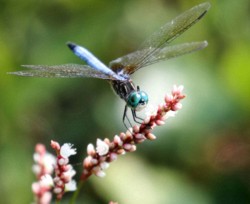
[(76, 193)]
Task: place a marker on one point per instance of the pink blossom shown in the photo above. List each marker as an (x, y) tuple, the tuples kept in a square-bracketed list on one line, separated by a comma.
[(64, 172), (101, 147), (43, 168)]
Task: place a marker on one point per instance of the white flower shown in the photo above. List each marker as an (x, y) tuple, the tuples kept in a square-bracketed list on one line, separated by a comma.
[(35, 187), (69, 174), (101, 147), (71, 186), (67, 150), (46, 180), (36, 169), (36, 157), (46, 197), (49, 162), (44, 162)]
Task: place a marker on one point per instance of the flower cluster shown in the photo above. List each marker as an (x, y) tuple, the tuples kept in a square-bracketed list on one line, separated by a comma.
[(63, 170), (106, 151), (44, 165)]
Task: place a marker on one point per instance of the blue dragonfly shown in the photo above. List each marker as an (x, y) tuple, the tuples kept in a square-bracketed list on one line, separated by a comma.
[(156, 48)]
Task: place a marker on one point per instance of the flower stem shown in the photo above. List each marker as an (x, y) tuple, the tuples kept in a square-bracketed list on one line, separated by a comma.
[(76, 193)]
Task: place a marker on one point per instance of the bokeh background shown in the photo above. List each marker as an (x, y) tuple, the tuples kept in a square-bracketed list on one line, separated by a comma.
[(201, 156)]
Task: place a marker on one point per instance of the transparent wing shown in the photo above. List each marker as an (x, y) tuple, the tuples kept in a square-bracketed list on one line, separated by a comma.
[(162, 54), (62, 71), (160, 39)]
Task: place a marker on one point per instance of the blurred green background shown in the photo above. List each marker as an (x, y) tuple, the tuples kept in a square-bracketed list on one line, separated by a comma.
[(201, 156)]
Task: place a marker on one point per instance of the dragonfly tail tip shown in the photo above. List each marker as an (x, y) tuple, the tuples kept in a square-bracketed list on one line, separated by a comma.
[(71, 45)]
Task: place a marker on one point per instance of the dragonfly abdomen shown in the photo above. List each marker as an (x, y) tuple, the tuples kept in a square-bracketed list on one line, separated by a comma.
[(92, 61)]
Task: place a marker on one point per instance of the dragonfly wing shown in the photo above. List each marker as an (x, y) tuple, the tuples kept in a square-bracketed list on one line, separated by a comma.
[(62, 71), (127, 63), (161, 38), (167, 52), (175, 51)]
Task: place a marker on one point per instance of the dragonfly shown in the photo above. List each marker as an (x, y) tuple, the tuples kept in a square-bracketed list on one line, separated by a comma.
[(156, 48)]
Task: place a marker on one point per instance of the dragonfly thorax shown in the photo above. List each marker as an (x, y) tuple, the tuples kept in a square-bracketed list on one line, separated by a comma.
[(134, 98)]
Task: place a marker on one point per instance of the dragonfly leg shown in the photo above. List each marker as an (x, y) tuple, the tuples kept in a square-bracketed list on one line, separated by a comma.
[(140, 122), (125, 116), (136, 118)]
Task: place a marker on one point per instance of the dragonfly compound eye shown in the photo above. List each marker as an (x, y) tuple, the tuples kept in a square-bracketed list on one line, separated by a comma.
[(143, 101), (134, 99), (137, 100)]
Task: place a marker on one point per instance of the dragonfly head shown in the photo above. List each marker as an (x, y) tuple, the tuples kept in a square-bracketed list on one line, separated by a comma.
[(137, 100)]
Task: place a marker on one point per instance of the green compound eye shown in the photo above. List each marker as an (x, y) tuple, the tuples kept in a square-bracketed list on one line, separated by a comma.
[(133, 99), (137, 100), (144, 97)]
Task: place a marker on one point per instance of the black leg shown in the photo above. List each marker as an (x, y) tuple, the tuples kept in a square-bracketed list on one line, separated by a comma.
[(125, 116), (136, 118)]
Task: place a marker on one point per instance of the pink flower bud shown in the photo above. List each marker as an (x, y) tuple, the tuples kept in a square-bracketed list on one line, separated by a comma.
[(177, 106), (107, 141), (136, 129), (147, 119), (128, 134), (133, 148), (57, 190), (100, 173), (118, 141), (120, 151), (91, 150), (46, 197), (101, 147), (104, 165), (141, 140), (63, 161), (55, 145), (35, 187), (169, 98), (113, 156), (40, 149), (56, 179), (129, 147), (139, 136), (87, 162), (95, 169), (159, 122), (177, 89), (123, 136), (151, 136)]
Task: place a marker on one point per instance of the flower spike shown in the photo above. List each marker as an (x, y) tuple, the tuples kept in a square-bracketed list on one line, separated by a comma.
[(107, 151)]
